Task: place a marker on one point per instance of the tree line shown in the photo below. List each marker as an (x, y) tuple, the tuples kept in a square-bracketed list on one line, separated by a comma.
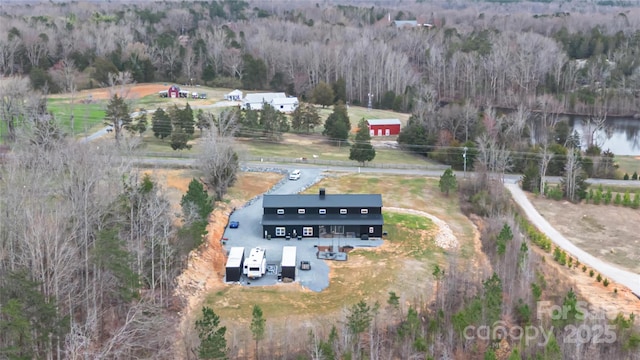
[(92, 247), (485, 56)]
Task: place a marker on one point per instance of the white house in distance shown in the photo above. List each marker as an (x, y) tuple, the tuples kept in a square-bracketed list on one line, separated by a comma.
[(279, 101), (235, 95), (285, 105)]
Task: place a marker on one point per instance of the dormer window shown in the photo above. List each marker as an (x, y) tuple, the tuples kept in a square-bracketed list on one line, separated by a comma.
[(343, 211), (280, 211), (322, 211), (301, 211), (364, 211)]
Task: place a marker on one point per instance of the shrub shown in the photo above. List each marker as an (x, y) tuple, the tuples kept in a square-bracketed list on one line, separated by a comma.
[(607, 197), (625, 177), (618, 199), (598, 197), (599, 278), (634, 176), (626, 200), (636, 201), (563, 258), (591, 273), (555, 193), (615, 291), (584, 268), (605, 282)]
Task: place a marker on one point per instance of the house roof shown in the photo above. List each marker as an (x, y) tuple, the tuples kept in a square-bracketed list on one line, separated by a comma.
[(383, 122), (235, 92), (262, 97), (285, 101), (328, 201), (401, 23), (316, 219)]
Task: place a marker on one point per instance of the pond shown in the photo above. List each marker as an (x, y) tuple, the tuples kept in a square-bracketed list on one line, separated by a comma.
[(620, 135)]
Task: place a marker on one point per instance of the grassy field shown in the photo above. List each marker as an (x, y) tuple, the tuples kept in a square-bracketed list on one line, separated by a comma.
[(408, 254), (87, 117), (627, 164), (356, 113), (306, 146)]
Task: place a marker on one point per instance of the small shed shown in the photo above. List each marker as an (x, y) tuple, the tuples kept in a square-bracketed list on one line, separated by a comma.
[(174, 92), (234, 264), (235, 95), (288, 265), (383, 127)]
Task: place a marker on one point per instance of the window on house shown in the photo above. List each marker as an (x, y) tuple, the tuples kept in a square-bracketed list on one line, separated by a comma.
[(343, 211), (280, 231), (364, 211), (370, 229), (322, 211), (307, 231), (301, 211), (280, 211)]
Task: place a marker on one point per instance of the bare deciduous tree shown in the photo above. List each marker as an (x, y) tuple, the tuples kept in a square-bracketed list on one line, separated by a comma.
[(219, 162)]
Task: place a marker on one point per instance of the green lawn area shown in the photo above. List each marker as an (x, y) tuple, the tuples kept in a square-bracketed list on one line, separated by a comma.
[(300, 146), (627, 164), (87, 117), (356, 113)]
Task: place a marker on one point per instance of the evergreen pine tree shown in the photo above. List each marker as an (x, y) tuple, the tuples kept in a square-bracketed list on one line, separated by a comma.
[(362, 150), (337, 125), (161, 124), (213, 344)]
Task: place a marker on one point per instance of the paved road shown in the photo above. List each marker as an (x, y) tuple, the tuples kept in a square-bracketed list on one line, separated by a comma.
[(312, 173), (628, 279)]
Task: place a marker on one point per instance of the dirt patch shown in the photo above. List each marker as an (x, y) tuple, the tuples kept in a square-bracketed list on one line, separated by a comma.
[(134, 91), (606, 231), (205, 267), (602, 299)]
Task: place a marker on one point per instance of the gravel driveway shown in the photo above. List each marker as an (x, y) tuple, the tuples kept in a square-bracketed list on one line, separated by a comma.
[(628, 279), (249, 235)]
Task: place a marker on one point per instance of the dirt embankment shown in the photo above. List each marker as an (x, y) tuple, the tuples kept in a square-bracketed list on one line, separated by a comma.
[(205, 267)]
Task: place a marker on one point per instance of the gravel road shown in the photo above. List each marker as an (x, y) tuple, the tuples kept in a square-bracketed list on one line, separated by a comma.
[(626, 278)]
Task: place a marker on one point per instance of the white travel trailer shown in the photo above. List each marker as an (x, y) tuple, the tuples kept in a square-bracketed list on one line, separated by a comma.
[(256, 265)]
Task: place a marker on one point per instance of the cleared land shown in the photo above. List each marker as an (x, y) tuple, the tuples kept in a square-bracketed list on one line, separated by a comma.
[(403, 264), (606, 231)]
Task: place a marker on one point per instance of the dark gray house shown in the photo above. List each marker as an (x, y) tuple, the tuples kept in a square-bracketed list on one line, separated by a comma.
[(322, 215)]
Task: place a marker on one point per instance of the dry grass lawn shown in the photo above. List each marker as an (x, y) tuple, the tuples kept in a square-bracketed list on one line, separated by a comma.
[(606, 231)]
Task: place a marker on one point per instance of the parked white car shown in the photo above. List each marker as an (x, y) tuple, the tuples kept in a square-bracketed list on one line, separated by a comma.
[(294, 175)]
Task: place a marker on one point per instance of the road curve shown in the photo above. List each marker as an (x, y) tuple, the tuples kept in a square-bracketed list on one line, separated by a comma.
[(626, 278)]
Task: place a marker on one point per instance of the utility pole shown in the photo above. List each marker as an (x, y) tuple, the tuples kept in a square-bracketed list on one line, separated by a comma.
[(464, 156)]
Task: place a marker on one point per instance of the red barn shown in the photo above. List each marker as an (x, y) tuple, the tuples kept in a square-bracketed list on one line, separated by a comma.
[(174, 92), (383, 127)]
